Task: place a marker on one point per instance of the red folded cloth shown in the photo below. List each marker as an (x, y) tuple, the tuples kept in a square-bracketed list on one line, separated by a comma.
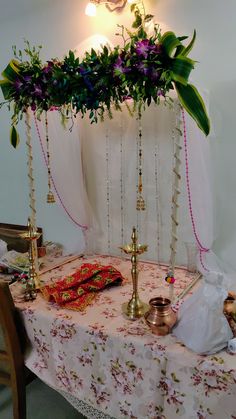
[(79, 289)]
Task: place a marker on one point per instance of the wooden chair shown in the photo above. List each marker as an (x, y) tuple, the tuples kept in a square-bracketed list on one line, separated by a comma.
[(12, 370)]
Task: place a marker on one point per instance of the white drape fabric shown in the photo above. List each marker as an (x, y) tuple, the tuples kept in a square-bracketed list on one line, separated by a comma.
[(202, 325), (103, 141), (201, 202), (110, 156), (66, 168)]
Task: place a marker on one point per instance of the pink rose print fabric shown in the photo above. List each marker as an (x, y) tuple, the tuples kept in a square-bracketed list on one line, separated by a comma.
[(116, 366)]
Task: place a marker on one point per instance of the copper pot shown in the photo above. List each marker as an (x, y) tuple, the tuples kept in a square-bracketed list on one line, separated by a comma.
[(230, 307), (160, 318)]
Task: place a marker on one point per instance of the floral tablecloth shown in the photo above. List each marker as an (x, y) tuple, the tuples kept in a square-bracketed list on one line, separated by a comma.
[(118, 366)]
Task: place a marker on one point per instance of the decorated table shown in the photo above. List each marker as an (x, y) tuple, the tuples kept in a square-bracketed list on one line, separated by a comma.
[(109, 366)]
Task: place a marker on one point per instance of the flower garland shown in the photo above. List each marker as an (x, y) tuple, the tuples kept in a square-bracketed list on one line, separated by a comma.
[(146, 68)]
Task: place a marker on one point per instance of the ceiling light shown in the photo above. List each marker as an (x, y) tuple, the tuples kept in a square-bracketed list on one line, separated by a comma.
[(91, 9), (111, 5)]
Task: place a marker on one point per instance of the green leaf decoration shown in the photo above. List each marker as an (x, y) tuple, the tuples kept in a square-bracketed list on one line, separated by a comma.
[(169, 42), (14, 137), (10, 74), (148, 18), (12, 71), (137, 22), (180, 48), (142, 67), (187, 50), (133, 7), (192, 101), (182, 38), (182, 67), (6, 87)]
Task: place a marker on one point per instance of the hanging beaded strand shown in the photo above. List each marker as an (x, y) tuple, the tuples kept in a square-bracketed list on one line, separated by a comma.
[(140, 205), (175, 206), (84, 227), (108, 194), (140, 202), (138, 221), (50, 196), (122, 188), (157, 199)]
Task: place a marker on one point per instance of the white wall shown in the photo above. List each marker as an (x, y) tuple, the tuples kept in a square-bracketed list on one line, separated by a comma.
[(61, 25)]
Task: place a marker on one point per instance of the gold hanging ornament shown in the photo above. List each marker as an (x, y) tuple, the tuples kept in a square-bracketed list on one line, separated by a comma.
[(140, 204), (177, 133), (31, 184), (50, 195)]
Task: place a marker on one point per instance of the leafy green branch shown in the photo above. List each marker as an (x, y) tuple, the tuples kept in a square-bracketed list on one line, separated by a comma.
[(145, 69)]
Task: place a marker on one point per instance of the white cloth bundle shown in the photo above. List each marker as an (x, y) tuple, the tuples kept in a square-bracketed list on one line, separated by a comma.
[(202, 326), (3, 248), (232, 346)]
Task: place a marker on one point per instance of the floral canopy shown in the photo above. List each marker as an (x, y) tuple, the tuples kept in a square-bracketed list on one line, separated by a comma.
[(145, 69)]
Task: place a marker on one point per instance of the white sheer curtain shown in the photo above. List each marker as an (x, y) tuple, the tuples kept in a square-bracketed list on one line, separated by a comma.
[(201, 201), (116, 141), (202, 325), (68, 177), (66, 167)]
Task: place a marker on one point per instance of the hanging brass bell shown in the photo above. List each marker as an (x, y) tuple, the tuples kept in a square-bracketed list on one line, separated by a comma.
[(140, 204), (50, 197)]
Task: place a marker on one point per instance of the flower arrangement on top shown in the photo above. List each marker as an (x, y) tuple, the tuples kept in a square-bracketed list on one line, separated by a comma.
[(145, 69)]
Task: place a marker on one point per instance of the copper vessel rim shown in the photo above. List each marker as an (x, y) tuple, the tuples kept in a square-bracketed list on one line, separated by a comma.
[(160, 302), (229, 300)]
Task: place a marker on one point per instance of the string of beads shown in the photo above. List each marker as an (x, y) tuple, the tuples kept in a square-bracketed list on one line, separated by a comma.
[(50, 196)]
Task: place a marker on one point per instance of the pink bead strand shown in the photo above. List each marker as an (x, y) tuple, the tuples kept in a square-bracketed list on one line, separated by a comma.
[(84, 227), (202, 249)]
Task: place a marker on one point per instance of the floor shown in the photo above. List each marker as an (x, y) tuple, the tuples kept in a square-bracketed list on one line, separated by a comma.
[(42, 403)]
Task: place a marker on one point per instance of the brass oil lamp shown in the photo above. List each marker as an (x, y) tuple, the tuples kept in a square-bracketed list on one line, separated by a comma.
[(135, 308), (32, 283)]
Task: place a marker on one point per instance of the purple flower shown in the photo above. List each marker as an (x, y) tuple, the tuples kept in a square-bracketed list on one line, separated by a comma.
[(143, 47), (48, 68), (127, 98), (119, 67), (37, 91), (83, 71), (157, 49), (160, 93), (18, 84), (33, 107), (143, 68), (148, 70), (27, 79), (84, 74), (154, 74)]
